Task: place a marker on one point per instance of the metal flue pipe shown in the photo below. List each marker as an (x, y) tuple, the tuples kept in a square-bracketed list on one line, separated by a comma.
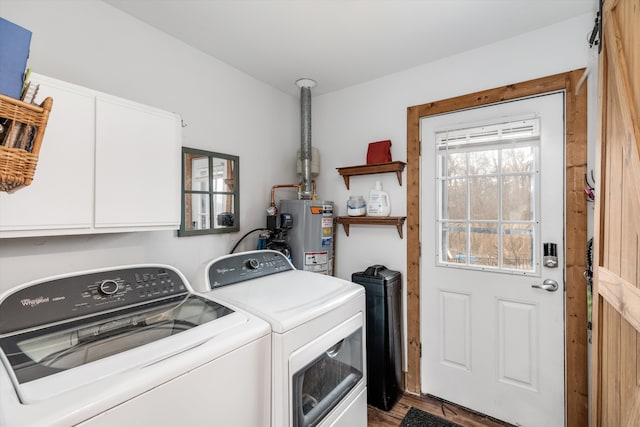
[(305, 86)]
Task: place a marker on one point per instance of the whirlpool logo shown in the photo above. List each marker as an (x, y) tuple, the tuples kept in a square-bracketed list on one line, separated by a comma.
[(34, 302)]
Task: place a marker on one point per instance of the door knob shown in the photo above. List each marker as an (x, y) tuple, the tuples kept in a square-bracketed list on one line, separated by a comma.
[(548, 285)]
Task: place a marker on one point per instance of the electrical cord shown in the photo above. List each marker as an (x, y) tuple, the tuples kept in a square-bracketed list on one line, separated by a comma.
[(243, 237), (588, 275)]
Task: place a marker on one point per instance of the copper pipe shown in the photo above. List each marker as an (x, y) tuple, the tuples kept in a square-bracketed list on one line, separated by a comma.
[(298, 186), (273, 190)]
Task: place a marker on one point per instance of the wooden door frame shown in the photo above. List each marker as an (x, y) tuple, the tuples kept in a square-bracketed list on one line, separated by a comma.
[(576, 341)]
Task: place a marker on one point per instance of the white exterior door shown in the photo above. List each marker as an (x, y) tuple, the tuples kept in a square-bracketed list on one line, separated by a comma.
[(492, 204)]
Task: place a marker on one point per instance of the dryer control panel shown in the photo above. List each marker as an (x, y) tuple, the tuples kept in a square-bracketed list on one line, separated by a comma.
[(78, 295), (246, 266)]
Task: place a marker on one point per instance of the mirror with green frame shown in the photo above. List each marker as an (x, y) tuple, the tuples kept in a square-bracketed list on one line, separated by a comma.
[(210, 193)]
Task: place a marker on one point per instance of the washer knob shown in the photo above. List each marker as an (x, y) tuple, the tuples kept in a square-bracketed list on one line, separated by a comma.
[(108, 287), (252, 263)]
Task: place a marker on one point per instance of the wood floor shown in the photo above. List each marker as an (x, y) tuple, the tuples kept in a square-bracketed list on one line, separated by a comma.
[(379, 418)]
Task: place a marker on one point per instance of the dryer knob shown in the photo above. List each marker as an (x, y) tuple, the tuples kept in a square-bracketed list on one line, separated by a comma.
[(108, 287), (252, 263)]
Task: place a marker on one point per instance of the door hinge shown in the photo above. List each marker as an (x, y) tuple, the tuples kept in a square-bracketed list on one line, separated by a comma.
[(419, 147), (420, 349)]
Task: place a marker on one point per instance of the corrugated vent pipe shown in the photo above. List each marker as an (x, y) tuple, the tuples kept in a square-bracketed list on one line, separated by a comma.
[(305, 85)]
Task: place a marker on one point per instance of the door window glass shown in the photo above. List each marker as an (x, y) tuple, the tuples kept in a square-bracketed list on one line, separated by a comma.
[(488, 196)]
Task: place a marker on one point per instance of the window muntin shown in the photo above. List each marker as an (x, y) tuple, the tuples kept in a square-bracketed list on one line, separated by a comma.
[(210, 201), (488, 185)]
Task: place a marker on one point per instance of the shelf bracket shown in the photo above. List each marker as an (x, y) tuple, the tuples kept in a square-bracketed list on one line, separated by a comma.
[(346, 182), (346, 228), (398, 174)]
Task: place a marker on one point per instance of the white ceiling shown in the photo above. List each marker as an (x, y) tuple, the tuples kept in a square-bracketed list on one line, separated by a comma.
[(340, 43)]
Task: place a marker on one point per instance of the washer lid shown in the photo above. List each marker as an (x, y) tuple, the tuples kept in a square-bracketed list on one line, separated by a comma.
[(65, 333), (53, 349), (289, 299)]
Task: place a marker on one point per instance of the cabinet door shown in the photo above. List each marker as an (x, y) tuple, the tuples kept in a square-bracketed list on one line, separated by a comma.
[(137, 166), (59, 200)]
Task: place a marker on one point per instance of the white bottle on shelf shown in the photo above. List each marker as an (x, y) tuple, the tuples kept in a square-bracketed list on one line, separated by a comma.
[(378, 204)]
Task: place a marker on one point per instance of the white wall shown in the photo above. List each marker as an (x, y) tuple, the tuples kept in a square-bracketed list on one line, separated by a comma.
[(344, 122), (92, 44), (347, 120)]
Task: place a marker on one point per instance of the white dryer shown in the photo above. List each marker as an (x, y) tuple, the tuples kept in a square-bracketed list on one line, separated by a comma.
[(131, 345), (318, 339)]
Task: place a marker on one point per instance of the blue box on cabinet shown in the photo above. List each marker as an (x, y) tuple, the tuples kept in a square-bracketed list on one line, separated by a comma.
[(14, 51)]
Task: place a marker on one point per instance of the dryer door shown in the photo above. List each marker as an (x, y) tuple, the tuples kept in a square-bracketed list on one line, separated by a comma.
[(325, 371)]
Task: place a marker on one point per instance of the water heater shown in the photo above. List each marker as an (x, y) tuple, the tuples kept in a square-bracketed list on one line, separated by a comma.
[(311, 236)]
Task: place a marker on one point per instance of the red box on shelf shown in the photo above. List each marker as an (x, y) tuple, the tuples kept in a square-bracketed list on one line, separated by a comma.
[(379, 152)]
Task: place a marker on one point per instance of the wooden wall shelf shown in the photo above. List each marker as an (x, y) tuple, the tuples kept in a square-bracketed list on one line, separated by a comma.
[(349, 171), (346, 221)]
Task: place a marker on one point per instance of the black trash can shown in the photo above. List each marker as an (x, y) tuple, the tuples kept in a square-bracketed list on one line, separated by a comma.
[(383, 289)]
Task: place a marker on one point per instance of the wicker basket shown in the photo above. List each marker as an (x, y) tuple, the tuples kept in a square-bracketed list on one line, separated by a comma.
[(23, 129)]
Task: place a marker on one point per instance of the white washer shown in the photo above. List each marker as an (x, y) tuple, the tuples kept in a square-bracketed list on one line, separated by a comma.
[(318, 340), (130, 345)]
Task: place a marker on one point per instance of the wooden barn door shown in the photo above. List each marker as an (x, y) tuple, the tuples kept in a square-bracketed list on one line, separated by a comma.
[(616, 363)]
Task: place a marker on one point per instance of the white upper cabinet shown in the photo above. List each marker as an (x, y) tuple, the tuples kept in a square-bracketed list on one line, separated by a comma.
[(137, 165), (60, 198), (106, 165)]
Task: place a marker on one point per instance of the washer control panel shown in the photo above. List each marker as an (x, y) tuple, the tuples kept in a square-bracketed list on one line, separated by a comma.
[(64, 298), (246, 266)]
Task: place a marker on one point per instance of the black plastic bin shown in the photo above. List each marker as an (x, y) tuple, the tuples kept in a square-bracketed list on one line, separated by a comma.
[(383, 289)]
